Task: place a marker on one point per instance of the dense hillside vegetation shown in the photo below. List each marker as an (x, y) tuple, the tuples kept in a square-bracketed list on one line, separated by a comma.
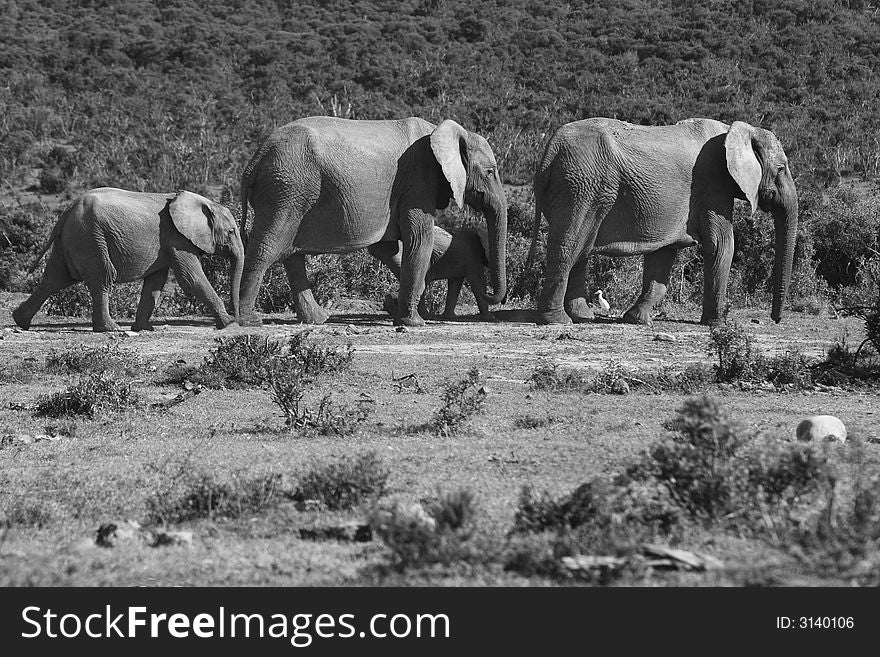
[(174, 93)]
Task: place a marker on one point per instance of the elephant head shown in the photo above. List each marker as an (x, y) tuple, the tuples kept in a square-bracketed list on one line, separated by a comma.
[(211, 228), (759, 167), (469, 167)]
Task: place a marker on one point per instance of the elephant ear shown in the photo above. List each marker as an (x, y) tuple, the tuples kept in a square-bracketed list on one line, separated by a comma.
[(742, 163), (449, 144), (193, 216)]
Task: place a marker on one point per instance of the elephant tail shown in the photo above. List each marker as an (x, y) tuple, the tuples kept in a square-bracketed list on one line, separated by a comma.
[(536, 224), (56, 231)]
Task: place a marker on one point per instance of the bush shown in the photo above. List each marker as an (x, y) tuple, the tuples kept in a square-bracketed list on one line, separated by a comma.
[(345, 483), (244, 361), (738, 357), (196, 495), (93, 395), (287, 385), (461, 401), (437, 531)]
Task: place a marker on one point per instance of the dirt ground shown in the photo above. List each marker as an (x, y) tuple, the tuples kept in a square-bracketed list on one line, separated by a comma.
[(111, 465)]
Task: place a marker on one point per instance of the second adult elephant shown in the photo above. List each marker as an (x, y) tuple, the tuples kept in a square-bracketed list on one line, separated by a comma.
[(613, 188), (329, 185)]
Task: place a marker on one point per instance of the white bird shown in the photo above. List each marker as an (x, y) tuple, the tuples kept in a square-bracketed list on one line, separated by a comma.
[(603, 304)]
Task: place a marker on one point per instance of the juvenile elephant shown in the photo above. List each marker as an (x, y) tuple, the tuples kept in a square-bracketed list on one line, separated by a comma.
[(330, 185), (619, 189), (456, 258), (112, 236)]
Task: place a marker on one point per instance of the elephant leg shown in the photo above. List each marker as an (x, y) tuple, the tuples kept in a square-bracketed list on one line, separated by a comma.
[(417, 232), (576, 304), (717, 244), (101, 320), (655, 279), (192, 280), (453, 290), (389, 254), (307, 309), (567, 246), (151, 292), (55, 278)]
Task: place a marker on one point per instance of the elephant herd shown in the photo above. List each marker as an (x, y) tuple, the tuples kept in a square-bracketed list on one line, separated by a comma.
[(330, 185)]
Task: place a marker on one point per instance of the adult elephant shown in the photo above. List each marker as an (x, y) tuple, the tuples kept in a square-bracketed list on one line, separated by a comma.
[(113, 235), (330, 185), (618, 189)]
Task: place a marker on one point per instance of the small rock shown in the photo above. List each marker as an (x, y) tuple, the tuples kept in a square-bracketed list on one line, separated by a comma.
[(756, 321), (132, 334), (401, 329), (821, 427), (111, 534), (665, 337), (182, 538)]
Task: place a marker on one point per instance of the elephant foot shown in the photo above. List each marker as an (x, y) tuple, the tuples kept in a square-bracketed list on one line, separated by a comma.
[(710, 320), (553, 317), (389, 304), (223, 322), (19, 317), (638, 316), (486, 317), (579, 311), (106, 327), (142, 327), (231, 325), (312, 315), (250, 320), (412, 321)]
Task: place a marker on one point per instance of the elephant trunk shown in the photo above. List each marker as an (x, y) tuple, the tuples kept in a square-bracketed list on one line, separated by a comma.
[(236, 267), (785, 224), (496, 222)]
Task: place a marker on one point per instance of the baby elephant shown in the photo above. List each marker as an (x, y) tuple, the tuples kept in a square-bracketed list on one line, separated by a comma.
[(112, 236), (457, 258)]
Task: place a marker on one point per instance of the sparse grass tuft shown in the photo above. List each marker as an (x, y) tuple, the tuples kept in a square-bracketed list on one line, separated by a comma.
[(91, 396), (461, 401), (97, 360), (194, 495), (21, 513)]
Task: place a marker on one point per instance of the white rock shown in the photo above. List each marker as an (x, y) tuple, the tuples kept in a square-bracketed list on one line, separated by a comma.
[(665, 337), (821, 427)]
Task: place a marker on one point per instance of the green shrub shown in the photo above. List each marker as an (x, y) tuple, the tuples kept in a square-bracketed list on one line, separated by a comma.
[(92, 395), (738, 357), (346, 482), (244, 361), (461, 401), (443, 530)]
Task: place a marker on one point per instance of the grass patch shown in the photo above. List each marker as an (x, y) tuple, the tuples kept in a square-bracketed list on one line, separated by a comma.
[(345, 483), (20, 513), (92, 395), (84, 360), (618, 379)]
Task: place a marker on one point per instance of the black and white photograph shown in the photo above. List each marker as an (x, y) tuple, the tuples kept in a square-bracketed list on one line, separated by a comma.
[(438, 294)]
